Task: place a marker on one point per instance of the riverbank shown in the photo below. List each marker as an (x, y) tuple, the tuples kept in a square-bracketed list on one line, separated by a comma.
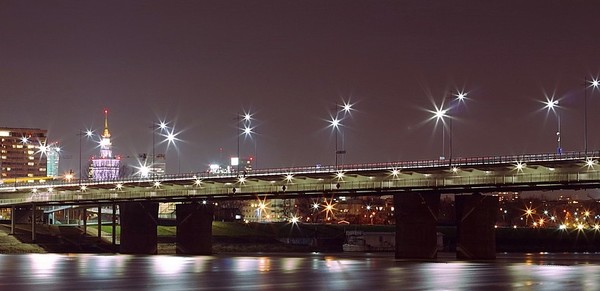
[(9, 244), (231, 237)]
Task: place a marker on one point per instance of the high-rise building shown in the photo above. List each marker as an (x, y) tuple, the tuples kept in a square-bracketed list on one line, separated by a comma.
[(22, 152), (53, 157), (106, 166)]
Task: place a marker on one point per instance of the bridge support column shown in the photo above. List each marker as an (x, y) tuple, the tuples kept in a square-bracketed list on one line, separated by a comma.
[(12, 219), (194, 228), (138, 227), (99, 222), (85, 220), (114, 224), (33, 222), (416, 222), (475, 220)]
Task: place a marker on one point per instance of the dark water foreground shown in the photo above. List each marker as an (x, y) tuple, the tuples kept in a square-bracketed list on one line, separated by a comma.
[(297, 272)]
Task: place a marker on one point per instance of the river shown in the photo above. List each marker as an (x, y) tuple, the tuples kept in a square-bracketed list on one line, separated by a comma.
[(316, 271)]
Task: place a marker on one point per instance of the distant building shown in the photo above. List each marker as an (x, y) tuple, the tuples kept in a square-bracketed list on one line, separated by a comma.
[(53, 158), (272, 210), (106, 166), (23, 152)]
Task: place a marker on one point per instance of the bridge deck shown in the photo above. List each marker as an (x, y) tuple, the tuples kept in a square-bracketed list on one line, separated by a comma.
[(573, 170)]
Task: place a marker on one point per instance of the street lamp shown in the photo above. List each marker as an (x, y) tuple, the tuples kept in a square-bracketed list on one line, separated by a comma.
[(245, 127), (171, 138), (336, 123), (440, 114), (155, 126), (595, 84), (552, 104), (460, 96), (88, 133)]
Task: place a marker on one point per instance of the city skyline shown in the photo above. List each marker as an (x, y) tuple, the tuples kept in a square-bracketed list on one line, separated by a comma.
[(197, 65)]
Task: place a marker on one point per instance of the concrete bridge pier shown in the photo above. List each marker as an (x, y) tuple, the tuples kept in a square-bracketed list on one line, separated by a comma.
[(416, 221), (12, 219), (138, 227), (475, 220), (99, 222), (194, 228)]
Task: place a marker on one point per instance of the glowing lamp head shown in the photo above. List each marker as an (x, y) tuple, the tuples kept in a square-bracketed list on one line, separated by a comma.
[(144, 171), (247, 130), (289, 177), (440, 113), (294, 220), (162, 125), (335, 122), (347, 107), (551, 104), (460, 96)]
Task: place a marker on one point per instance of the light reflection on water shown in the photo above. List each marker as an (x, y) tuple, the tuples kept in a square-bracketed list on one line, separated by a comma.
[(296, 271)]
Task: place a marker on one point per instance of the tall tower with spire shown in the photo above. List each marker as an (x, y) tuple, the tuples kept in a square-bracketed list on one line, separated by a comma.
[(105, 167)]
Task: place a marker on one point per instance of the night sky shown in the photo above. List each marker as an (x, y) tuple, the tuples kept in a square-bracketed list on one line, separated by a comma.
[(196, 64)]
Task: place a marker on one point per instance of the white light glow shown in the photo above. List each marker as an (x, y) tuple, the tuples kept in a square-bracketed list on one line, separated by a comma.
[(460, 95), (334, 122)]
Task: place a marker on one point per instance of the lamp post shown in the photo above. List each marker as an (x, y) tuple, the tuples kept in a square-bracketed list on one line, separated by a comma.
[(336, 124), (246, 130), (438, 115), (460, 96), (594, 83), (155, 126), (171, 138), (552, 104), (88, 133)]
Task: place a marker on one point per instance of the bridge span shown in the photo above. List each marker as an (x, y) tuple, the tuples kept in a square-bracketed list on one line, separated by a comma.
[(415, 185)]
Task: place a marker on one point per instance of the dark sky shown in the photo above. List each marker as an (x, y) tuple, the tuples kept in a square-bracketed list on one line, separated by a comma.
[(198, 63)]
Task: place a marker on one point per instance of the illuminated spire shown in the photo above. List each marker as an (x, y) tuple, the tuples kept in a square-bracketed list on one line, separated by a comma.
[(106, 133)]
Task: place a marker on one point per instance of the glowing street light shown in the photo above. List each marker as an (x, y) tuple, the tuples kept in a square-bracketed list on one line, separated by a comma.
[(439, 114), (594, 83), (552, 105), (88, 134), (335, 124), (460, 97), (162, 126), (246, 130), (171, 139)]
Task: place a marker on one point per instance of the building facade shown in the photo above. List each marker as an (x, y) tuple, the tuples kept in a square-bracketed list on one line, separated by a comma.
[(23, 153), (106, 166)]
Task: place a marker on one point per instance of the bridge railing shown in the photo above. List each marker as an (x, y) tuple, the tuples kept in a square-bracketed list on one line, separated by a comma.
[(458, 162), (450, 184)]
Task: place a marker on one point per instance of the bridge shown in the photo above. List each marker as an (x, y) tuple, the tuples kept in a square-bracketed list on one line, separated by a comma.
[(415, 185)]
